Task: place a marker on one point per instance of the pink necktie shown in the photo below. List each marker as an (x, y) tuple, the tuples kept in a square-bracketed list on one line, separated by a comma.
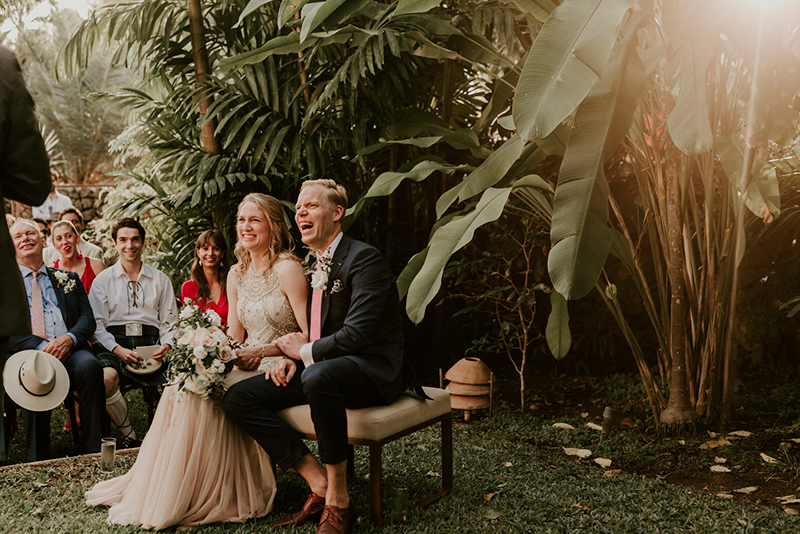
[(316, 315), (37, 307)]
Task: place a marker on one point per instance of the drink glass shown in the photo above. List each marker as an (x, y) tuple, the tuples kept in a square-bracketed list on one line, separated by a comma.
[(108, 448), (399, 504)]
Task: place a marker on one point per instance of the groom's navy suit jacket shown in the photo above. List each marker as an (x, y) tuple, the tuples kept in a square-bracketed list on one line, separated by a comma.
[(361, 318), (76, 311)]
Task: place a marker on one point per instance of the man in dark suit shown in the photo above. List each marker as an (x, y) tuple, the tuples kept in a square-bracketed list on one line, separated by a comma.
[(25, 177), (62, 321), (352, 358)]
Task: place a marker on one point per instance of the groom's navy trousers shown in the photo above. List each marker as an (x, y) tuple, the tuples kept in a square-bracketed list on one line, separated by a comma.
[(328, 387)]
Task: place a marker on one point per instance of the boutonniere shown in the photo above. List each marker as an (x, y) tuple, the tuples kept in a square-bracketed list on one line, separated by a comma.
[(63, 280), (319, 276), (337, 286)]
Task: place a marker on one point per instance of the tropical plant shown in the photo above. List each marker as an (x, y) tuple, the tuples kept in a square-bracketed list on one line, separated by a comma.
[(667, 90), (83, 128), (498, 279)]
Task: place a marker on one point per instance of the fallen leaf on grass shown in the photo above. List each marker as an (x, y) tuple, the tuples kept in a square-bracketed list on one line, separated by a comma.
[(711, 434), (594, 426), (769, 459), (785, 497), (584, 414), (489, 496), (720, 469), (740, 433), (724, 495), (626, 421), (796, 440), (720, 460), (580, 453), (791, 511), (580, 505), (603, 462), (564, 426), (747, 490), (508, 464), (492, 514), (612, 473), (432, 474), (791, 501), (714, 443), (681, 441)]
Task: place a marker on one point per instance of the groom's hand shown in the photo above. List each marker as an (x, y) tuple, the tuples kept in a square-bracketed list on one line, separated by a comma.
[(290, 344), (282, 372)]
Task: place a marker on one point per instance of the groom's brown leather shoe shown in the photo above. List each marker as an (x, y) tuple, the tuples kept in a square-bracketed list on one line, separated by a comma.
[(337, 520), (311, 511)]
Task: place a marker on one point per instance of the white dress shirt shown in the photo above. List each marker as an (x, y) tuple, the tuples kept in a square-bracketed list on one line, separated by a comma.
[(115, 303), (55, 205), (306, 352), (54, 325)]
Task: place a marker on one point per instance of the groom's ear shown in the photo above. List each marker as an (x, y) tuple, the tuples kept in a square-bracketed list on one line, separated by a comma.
[(338, 213)]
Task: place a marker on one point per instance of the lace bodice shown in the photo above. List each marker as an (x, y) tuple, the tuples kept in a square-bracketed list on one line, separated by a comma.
[(264, 311)]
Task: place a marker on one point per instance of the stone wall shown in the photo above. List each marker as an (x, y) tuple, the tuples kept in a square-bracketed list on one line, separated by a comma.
[(87, 198)]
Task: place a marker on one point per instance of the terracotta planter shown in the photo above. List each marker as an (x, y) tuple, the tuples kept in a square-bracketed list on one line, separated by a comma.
[(471, 386)]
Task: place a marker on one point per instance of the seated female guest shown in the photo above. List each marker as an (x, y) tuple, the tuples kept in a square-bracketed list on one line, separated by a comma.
[(209, 274), (65, 239)]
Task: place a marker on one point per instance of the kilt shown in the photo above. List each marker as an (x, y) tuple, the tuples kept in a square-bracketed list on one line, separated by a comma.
[(109, 359)]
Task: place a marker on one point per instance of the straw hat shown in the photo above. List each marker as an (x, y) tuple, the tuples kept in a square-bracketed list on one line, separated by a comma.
[(36, 380)]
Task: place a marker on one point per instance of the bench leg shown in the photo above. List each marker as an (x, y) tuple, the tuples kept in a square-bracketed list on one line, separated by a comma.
[(447, 454), (375, 476)]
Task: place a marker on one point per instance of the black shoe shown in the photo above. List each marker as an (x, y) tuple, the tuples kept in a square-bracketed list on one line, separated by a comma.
[(128, 442)]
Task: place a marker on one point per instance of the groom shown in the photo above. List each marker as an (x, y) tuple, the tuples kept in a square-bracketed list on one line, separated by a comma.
[(353, 358)]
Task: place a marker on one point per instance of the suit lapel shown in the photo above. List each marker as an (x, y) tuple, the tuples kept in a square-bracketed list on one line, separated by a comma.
[(336, 264), (61, 297)]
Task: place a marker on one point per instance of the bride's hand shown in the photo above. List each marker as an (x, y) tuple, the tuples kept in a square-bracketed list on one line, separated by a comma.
[(247, 364)]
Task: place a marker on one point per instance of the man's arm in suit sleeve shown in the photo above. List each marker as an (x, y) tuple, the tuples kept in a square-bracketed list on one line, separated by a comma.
[(86, 325), (25, 168), (371, 282)]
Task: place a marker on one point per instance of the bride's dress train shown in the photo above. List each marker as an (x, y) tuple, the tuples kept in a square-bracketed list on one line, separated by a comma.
[(195, 466)]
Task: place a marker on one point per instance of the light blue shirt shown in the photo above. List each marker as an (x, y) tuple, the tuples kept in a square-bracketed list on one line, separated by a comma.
[(54, 324)]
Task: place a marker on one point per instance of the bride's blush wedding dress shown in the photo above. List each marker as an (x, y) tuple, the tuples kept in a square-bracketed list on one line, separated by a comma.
[(196, 466)]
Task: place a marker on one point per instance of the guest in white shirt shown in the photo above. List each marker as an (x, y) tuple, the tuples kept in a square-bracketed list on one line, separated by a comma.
[(54, 204), (132, 302), (84, 248)]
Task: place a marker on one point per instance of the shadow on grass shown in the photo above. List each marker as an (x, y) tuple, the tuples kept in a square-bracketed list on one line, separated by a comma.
[(512, 475)]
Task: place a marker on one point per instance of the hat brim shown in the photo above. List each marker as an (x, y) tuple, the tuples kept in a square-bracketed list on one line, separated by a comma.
[(24, 399)]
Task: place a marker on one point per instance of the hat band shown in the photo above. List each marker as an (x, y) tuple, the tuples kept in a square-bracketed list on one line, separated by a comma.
[(19, 375)]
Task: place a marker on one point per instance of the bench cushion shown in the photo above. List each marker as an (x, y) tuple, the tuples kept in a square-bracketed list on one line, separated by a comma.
[(378, 422)]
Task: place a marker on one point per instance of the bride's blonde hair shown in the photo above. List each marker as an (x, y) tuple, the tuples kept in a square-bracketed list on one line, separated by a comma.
[(281, 242)]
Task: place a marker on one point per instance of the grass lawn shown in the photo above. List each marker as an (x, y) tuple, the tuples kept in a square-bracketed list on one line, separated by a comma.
[(512, 474)]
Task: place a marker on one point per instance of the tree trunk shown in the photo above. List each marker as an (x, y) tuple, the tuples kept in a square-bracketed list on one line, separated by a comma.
[(679, 412), (202, 70)]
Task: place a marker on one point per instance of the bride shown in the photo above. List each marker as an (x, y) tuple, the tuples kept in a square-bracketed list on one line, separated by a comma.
[(196, 466)]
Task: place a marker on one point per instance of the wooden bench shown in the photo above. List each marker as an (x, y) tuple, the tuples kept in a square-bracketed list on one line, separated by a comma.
[(379, 425)]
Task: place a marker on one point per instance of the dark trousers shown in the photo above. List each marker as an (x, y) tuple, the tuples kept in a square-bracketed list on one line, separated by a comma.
[(329, 387), (3, 349), (85, 377)]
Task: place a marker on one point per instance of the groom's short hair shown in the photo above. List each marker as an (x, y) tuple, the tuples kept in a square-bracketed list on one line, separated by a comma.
[(335, 193)]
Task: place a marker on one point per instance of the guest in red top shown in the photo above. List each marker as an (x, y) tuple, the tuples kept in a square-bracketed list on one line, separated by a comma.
[(65, 240), (209, 274)]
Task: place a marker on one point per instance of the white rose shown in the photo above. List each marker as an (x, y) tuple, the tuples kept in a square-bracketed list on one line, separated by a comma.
[(199, 352), (226, 353), (213, 318), (319, 279), (188, 337), (202, 336), (186, 312), (220, 339)]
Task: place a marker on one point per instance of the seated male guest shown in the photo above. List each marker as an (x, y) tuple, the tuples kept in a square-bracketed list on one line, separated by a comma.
[(134, 306), (62, 322)]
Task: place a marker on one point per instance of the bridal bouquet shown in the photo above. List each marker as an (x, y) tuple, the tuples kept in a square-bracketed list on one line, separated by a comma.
[(203, 354)]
